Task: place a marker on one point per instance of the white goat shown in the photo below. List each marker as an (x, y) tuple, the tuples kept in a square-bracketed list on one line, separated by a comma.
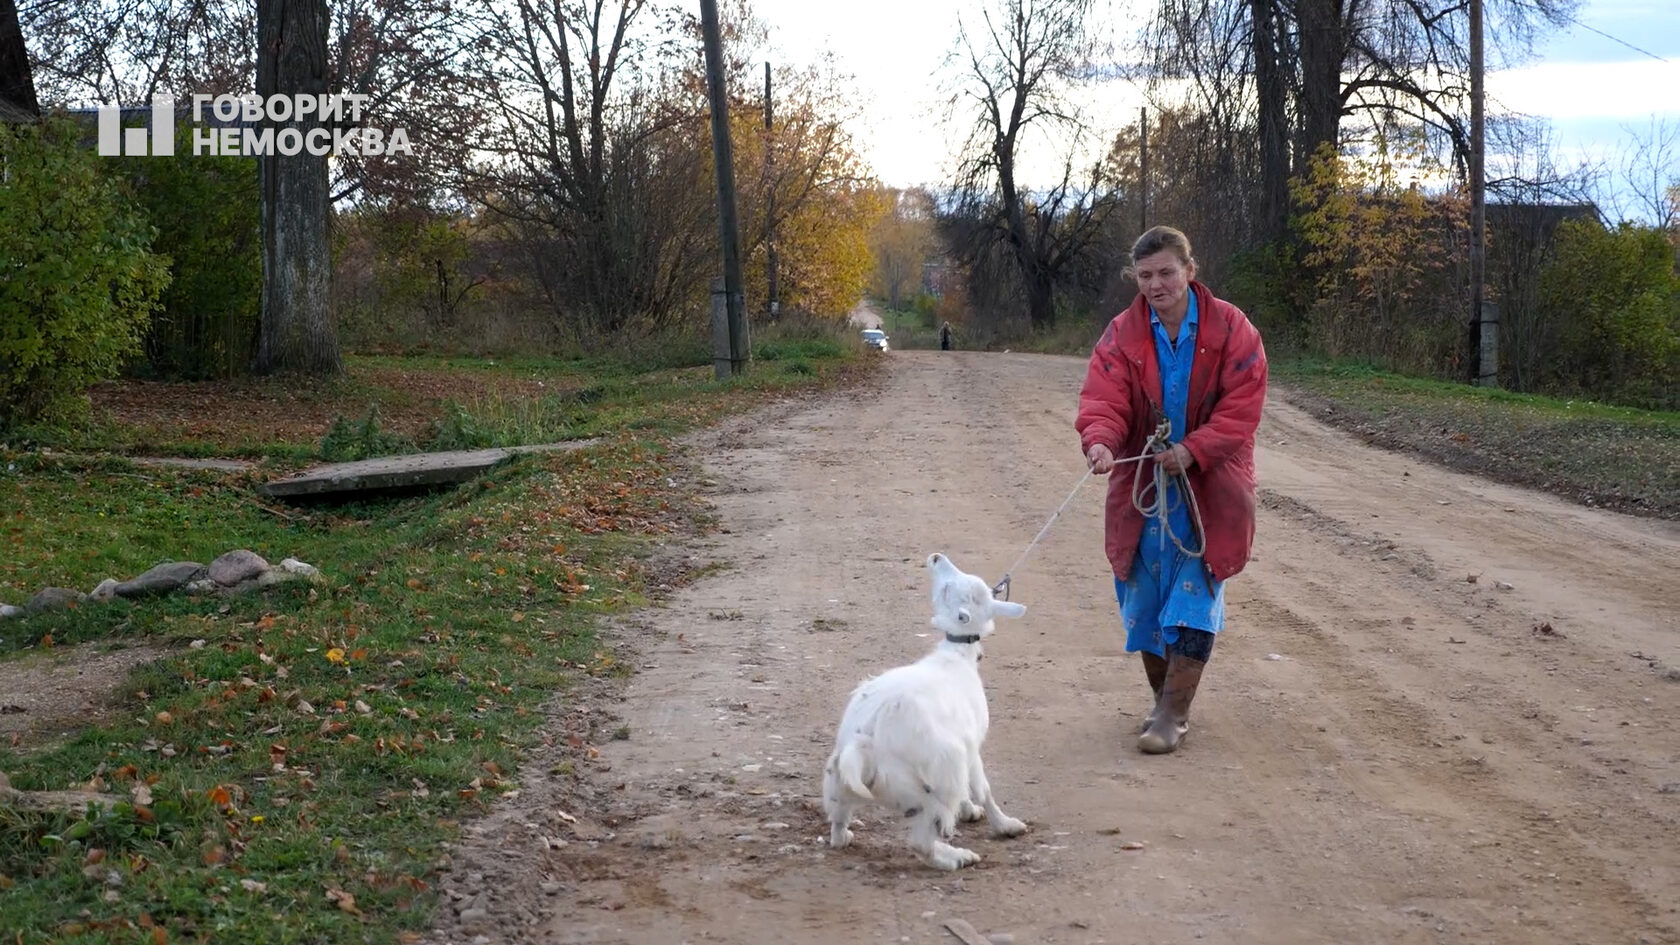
[(910, 737)]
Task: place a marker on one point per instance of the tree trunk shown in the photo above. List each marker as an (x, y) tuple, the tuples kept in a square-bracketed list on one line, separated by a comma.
[(1323, 51), (297, 332), (17, 85), (1273, 94), (1041, 306)]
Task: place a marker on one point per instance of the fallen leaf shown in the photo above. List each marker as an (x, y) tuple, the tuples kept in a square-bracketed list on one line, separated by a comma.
[(335, 655), (1132, 845)]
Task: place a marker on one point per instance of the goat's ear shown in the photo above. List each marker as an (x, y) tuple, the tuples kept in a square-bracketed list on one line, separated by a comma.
[(1008, 608)]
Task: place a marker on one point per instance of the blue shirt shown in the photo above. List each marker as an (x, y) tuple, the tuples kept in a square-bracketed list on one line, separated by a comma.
[(1174, 361)]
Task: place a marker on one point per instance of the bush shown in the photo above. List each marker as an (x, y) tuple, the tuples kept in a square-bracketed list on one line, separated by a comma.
[(78, 280), (1615, 301), (205, 209)]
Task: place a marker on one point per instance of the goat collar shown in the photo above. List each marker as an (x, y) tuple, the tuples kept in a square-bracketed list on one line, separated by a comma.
[(965, 638)]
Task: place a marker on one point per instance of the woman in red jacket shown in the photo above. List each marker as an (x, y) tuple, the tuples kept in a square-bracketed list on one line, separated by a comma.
[(1180, 356)]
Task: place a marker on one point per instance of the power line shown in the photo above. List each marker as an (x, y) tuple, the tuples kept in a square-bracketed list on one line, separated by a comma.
[(1624, 42)]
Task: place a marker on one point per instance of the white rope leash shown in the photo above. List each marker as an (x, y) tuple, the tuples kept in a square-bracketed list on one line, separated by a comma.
[(1002, 587), (1156, 508)]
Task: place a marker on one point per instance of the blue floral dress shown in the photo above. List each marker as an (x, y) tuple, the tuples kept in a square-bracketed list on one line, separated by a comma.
[(1168, 589)]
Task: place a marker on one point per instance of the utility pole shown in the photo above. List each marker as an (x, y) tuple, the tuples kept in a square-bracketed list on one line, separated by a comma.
[(770, 199), (1484, 317), (728, 225), (1143, 169)]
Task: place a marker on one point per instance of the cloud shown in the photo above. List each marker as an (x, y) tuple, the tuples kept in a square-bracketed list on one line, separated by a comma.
[(1567, 90)]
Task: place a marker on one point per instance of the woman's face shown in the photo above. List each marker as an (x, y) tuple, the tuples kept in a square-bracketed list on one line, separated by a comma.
[(1164, 280)]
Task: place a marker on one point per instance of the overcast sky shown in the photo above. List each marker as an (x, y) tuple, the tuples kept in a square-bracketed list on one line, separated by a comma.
[(1588, 85)]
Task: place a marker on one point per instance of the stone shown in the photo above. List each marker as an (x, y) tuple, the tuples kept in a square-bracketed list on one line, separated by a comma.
[(201, 586), (294, 566), (237, 566), (107, 590), (7, 611), (163, 579), (54, 598)]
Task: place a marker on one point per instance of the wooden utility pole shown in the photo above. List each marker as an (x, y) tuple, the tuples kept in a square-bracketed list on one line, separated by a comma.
[(728, 225), (1143, 169), (1483, 317), (770, 199)]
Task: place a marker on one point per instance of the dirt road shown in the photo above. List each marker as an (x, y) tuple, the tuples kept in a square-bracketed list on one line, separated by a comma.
[(1383, 751)]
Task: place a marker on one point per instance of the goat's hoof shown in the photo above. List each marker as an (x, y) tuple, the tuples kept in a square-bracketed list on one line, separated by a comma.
[(839, 838), (952, 858), (970, 812), (1008, 827)]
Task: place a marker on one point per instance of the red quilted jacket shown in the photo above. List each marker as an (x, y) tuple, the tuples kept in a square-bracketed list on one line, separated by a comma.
[(1121, 403)]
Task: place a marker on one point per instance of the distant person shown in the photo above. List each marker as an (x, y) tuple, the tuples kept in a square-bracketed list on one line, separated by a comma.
[(945, 336), (1182, 354)]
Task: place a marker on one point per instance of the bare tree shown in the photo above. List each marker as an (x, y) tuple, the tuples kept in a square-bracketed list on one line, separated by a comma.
[(1648, 170), (1317, 65), (1014, 72), (297, 331), (591, 165), (123, 52)]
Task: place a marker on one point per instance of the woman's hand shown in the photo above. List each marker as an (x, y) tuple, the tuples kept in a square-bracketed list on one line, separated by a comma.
[(1175, 460), (1099, 459)]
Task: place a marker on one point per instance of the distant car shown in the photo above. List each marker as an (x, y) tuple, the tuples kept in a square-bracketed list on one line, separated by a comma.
[(875, 338)]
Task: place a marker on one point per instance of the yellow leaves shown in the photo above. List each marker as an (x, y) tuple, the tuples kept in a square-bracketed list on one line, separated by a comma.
[(335, 656)]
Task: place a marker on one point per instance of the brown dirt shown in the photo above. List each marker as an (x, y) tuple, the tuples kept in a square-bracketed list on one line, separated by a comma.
[(1384, 749), (241, 411), (46, 693)]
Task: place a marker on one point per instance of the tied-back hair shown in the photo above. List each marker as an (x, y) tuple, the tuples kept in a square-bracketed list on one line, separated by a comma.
[(1154, 240)]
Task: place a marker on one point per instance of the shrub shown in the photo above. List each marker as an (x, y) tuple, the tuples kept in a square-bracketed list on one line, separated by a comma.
[(205, 209), (78, 280), (1615, 301)]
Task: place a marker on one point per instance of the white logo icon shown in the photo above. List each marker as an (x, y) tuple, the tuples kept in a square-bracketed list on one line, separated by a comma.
[(115, 140)]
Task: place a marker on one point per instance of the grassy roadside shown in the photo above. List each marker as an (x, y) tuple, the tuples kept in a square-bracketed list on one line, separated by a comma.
[(296, 761), (1612, 457)]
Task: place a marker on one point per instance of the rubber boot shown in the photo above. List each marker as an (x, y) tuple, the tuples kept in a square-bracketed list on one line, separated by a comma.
[(1172, 716), (1155, 667)]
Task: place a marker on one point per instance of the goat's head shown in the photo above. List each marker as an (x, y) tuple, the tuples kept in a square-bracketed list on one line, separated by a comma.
[(963, 604)]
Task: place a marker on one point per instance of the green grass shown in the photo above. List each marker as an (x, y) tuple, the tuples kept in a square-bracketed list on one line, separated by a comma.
[(297, 760), (391, 405), (1617, 457)]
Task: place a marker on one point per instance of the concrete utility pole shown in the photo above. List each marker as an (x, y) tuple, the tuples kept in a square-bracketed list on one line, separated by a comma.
[(770, 199), (728, 227), (1484, 316)]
